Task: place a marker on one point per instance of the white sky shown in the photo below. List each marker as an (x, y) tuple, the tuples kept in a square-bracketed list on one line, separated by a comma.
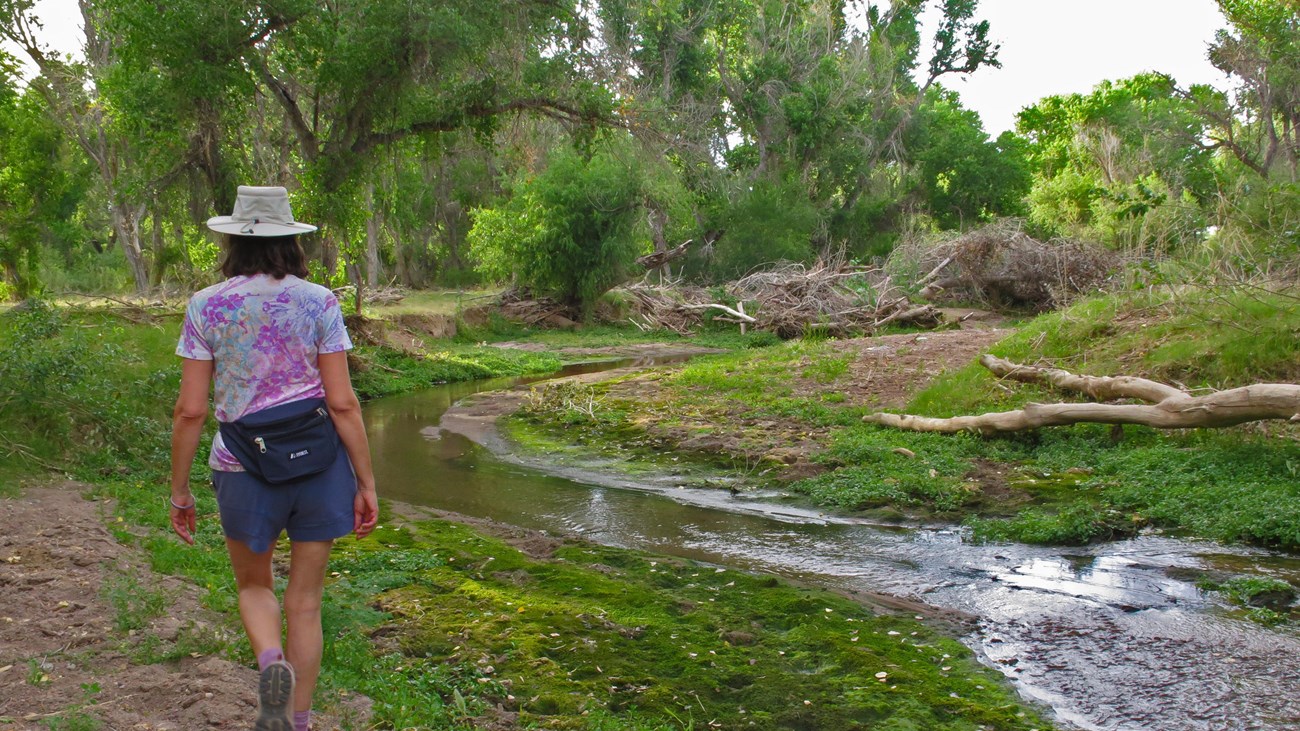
[(1048, 47), (1053, 47)]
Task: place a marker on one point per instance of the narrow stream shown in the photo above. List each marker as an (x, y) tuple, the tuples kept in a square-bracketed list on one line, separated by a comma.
[(1101, 634)]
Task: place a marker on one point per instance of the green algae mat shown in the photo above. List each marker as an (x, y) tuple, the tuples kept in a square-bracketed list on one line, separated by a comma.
[(582, 636)]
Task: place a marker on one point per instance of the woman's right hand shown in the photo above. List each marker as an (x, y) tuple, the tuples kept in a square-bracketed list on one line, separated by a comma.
[(184, 519), (365, 511)]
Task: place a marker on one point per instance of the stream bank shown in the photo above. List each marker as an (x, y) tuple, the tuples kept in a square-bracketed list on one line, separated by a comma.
[(1113, 636)]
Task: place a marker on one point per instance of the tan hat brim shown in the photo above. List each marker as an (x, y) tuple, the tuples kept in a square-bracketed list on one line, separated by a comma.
[(228, 225)]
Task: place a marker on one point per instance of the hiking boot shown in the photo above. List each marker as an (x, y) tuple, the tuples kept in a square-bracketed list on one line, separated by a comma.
[(275, 698)]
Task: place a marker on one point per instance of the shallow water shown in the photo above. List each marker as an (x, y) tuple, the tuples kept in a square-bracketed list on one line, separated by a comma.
[(1101, 634)]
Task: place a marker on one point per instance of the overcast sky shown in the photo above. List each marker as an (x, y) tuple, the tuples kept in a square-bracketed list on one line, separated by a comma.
[(1052, 47), (1048, 47)]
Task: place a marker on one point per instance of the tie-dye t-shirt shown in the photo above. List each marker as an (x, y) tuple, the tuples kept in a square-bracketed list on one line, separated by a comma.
[(264, 335)]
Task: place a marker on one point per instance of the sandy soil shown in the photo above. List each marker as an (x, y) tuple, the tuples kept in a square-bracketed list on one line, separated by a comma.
[(58, 642)]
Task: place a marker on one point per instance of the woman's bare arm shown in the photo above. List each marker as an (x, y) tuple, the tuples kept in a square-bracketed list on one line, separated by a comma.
[(187, 428), (345, 408)]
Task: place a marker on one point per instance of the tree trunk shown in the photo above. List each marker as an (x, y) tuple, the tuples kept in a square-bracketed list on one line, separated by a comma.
[(158, 249), (126, 221), (372, 239), (658, 220), (1166, 408)]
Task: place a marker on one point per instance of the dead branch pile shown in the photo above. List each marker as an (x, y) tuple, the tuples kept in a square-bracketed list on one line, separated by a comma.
[(388, 295), (1001, 265), (789, 300), (520, 306)]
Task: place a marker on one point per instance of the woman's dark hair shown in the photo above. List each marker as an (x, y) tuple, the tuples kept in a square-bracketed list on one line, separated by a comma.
[(278, 256)]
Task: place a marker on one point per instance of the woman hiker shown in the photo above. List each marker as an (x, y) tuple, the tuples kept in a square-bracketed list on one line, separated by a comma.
[(273, 346)]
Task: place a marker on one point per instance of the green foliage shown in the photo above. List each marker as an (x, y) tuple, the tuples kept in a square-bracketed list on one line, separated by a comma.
[(570, 232), (1262, 599), (41, 185), (1258, 591), (1123, 164), (67, 385), (1260, 50), (769, 222), (965, 177), (1261, 232), (72, 720), (1073, 525)]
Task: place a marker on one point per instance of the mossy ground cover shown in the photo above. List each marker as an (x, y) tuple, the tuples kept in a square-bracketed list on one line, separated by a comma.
[(594, 637), (1062, 485)]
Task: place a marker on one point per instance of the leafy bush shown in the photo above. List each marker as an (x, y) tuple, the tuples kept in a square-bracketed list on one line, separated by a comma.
[(771, 221), (569, 232)]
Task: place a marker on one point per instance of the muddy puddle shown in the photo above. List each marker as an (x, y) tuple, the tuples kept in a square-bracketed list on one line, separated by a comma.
[(1109, 637)]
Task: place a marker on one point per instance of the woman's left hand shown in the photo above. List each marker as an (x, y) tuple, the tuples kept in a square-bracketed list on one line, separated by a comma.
[(184, 520), (365, 511)]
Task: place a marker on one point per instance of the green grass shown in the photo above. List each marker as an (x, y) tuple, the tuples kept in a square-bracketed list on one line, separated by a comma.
[(384, 371), (433, 302), (1218, 338), (133, 605)]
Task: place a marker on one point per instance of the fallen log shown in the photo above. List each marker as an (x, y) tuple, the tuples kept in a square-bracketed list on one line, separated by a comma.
[(1167, 407)]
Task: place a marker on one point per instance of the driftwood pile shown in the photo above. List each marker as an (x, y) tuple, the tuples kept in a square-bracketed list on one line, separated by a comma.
[(1001, 265), (789, 300)]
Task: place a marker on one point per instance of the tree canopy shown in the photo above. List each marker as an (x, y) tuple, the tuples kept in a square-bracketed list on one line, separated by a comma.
[(762, 130)]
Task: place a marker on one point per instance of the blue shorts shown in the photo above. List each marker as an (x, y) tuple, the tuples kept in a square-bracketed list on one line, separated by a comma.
[(318, 508)]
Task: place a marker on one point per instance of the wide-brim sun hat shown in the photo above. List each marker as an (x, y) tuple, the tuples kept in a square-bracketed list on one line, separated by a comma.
[(260, 211)]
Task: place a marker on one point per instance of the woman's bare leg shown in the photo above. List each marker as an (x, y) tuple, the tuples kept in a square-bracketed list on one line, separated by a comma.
[(307, 564), (258, 607)]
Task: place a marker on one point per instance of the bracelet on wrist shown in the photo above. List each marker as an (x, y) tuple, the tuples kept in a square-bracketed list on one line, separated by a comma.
[(181, 507)]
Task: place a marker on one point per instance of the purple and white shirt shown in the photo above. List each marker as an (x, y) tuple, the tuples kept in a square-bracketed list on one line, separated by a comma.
[(264, 335)]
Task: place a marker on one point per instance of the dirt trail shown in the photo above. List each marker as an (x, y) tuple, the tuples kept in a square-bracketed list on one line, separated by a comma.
[(64, 653)]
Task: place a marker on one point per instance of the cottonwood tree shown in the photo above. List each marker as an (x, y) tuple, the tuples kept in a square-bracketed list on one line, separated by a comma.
[(70, 92), (41, 185), (1125, 164)]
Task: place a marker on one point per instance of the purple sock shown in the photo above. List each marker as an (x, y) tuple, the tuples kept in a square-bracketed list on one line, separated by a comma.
[(268, 656), (301, 720)]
